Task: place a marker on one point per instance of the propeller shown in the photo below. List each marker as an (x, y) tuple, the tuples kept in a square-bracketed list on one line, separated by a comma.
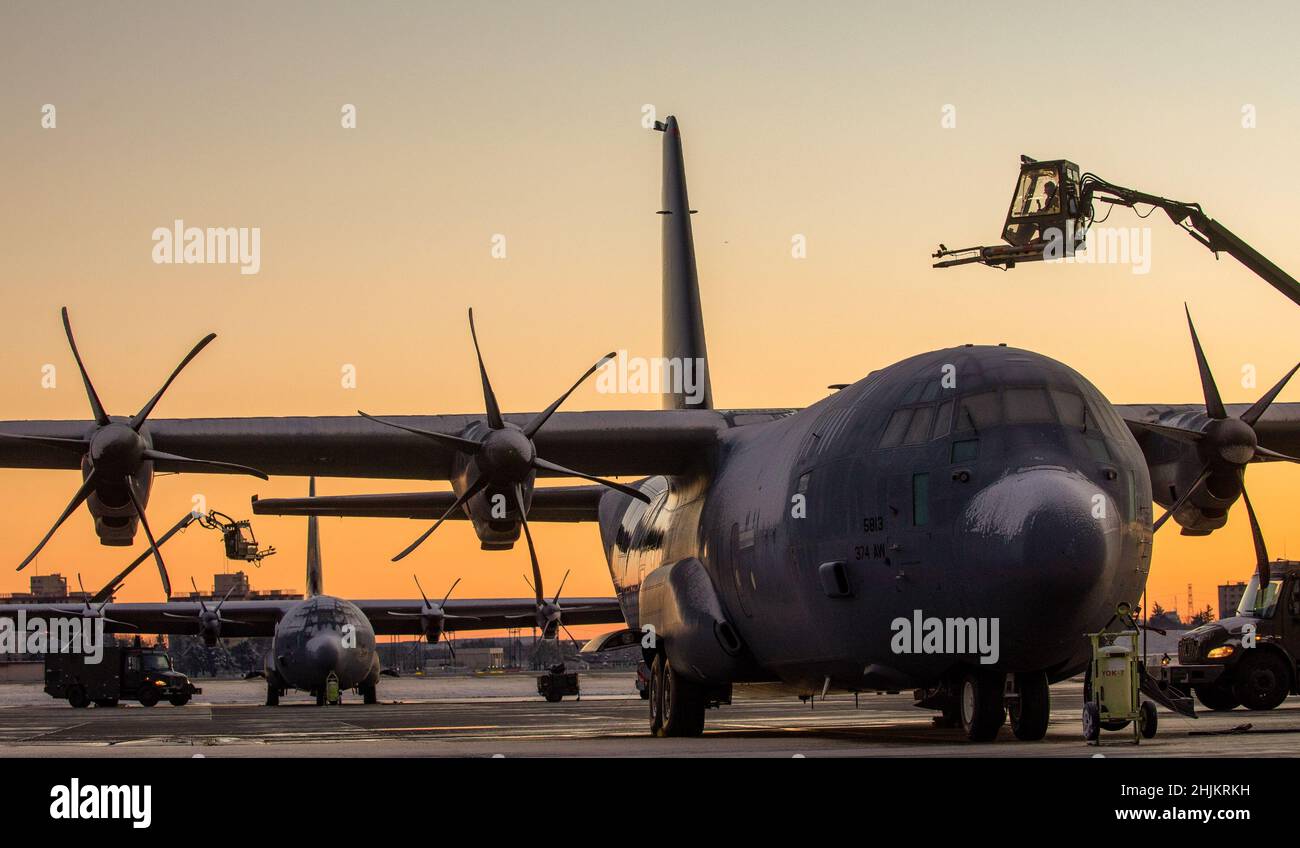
[(1261, 552), (89, 610), (210, 620), (1226, 445), (547, 614), (433, 617), (506, 454), (114, 452)]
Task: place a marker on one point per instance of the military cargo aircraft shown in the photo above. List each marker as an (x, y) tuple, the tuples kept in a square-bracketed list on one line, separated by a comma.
[(951, 523)]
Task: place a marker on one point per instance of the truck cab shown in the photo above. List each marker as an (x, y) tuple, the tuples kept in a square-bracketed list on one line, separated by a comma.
[(1249, 658), (134, 672)]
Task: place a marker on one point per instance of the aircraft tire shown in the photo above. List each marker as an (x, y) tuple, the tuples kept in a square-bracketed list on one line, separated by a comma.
[(1261, 680), (272, 694), (1033, 710), (1216, 697), (683, 704), (982, 710), (656, 698), (369, 695)]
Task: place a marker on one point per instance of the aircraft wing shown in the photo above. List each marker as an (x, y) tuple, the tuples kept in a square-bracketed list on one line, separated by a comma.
[(258, 618), (246, 618), (551, 503), (635, 442), (1278, 429), (489, 614)]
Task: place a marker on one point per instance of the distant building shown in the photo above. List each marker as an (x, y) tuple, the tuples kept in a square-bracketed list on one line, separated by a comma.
[(49, 586), (223, 583), (1230, 597), (243, 591), (45, 589), (484, 657)]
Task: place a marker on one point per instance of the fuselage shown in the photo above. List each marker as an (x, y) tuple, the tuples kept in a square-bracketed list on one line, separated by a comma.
[(323, 635), (983, 483)]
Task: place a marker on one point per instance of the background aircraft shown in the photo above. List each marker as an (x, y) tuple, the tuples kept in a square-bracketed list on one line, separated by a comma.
[(323, 644)]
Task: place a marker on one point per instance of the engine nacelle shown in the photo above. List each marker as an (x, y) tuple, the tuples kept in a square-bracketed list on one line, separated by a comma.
[(110, 506)]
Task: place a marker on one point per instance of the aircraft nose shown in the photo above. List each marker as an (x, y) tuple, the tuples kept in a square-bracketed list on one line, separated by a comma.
[(1042, 548), (324, 651)]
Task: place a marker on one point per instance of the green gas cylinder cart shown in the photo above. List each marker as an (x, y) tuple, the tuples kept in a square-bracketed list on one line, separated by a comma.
[(1111, 701)]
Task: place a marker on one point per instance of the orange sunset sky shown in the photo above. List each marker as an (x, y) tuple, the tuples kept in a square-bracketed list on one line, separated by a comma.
[(524, 119)]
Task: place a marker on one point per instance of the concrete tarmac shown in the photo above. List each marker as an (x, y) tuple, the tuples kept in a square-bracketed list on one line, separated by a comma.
[(502, 715)]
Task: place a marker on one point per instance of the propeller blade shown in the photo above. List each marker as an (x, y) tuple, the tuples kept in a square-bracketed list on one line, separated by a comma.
[(561, 589), (495, 421), (148, 534), (397, 614), (473, 490), (1261, 552), (108, 620), (421, 588), (449, 591), (1273, 455), (137, 420), (449, 617), (178, 615), (567, 632), (532, 551), (1250, 416), (96, 408), (540, 418), (199, 594), (77, 500), (225, 598), (77, 445), (1201, 478), (467, 446), (1213, 403), (543, 465), (201, 465)]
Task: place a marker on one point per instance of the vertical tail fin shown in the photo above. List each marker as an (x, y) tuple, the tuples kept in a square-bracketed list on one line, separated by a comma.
[(687, 384), (315, 582)]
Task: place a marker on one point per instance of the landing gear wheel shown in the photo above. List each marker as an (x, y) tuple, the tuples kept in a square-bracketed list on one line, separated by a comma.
[(683, 710), (1147, 720), (1091, 722), (148, 697), (272, 694), (369, 695), (1261, 680), (1216, 697), (180, 699), (982, 712), (1031, 712), (106, 702), (657, 695), (77, 698)]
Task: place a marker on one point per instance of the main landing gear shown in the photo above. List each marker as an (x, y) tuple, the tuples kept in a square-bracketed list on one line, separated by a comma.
[(979, 701), (677, 704)]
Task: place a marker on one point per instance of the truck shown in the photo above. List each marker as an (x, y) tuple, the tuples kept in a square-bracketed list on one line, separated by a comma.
[(135, 672), (1247, 659)]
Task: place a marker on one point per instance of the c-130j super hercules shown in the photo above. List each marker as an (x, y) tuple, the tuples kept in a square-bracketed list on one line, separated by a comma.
[(990, 492)]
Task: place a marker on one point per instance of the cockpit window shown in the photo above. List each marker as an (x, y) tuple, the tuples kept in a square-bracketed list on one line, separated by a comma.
[(1028, 406), (943, 422), (1071, 409), (979, 412), (918, 430), (897, 426)]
